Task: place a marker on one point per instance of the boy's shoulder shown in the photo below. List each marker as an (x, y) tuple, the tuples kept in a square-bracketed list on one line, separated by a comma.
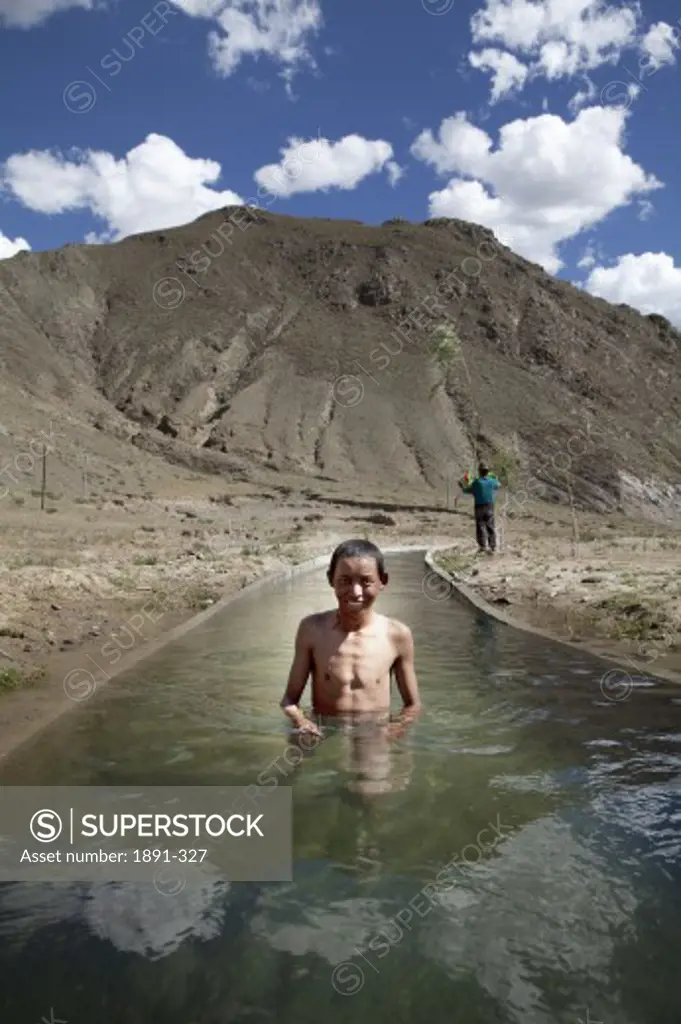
[(398, 630), (316, 620)]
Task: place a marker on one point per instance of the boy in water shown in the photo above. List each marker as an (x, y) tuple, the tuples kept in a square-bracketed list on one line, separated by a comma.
[(351, 651)]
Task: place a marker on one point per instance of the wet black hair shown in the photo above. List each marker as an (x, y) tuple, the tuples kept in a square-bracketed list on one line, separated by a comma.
[(358, 549)]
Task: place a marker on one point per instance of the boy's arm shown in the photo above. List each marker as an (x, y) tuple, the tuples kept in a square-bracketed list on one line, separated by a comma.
[(297, 679), (405, 675)]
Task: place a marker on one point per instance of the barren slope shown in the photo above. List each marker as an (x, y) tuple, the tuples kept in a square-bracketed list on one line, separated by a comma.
[(269, 361)]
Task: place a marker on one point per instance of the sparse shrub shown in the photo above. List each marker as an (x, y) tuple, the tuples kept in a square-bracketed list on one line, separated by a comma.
[(457, 563), (48, 494), (506, 465), (446, 345), (659, 321), (10, 679), (202, 597)]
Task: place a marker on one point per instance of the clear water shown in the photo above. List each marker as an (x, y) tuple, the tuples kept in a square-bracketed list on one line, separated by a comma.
[(569, 912)]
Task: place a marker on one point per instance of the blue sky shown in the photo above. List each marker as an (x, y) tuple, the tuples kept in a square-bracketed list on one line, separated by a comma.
[(553, 122)]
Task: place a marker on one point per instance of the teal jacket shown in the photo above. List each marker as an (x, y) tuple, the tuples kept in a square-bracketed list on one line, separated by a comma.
[(482, 489)]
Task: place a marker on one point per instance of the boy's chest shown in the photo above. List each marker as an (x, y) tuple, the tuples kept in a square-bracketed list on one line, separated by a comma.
[(364, 658)]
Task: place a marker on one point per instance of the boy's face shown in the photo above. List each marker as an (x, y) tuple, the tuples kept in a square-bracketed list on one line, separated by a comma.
[(356, 583)]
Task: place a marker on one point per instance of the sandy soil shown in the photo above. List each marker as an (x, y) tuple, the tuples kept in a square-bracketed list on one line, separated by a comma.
[(615, 590), (95, 586)]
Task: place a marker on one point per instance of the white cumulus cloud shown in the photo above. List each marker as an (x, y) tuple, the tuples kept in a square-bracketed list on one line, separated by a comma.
[(566, 35), (584, 97), (508, 73), (28, 13), (201, 8), (394, 171), (587, 259), (660, 44), (11, 246), (320, 165), (650, 282), (280, 29), (156, 185), (545, 182), (562, 38), (645, 209)]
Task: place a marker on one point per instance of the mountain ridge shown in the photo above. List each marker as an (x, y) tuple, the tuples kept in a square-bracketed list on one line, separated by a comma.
[(250, 345)]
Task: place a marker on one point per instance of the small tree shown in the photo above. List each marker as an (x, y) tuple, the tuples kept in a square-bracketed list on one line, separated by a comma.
[(446, 346), (506, 465)]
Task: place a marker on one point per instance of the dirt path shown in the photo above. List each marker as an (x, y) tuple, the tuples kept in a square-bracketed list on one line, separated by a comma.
[(95, 586)]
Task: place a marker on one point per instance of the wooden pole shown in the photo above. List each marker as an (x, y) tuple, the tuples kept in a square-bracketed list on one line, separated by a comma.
[(85, 460), (44, 480), (575, 522)]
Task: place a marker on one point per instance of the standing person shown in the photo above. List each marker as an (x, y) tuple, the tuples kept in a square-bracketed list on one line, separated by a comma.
[(482, 489)]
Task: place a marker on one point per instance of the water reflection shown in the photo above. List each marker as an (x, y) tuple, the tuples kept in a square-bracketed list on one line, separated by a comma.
[(372, 755), (485, 648)]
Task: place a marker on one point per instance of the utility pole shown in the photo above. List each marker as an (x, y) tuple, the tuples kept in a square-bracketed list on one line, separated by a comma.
[(44, 480), (502, 528)]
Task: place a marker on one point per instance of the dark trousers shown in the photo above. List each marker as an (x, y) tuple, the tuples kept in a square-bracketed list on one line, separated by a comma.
[(484, 527)]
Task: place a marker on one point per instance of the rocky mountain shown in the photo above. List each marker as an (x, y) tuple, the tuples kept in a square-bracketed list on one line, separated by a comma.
[(364, 360)]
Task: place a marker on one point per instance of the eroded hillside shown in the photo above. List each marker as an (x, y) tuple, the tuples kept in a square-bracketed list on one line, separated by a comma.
[(363, 359)]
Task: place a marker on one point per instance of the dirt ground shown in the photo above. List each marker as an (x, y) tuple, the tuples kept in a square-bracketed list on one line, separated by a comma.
[(96, 585), (611, 586)]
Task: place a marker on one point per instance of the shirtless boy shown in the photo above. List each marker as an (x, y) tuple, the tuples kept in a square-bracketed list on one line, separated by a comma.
[(351, 651)]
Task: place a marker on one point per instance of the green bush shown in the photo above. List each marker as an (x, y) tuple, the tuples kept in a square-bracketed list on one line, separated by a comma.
[(10, 679), (506, 466), (446, 345)]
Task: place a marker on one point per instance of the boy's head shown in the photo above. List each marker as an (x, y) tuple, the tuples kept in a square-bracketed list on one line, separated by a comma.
[(357, 573), (482, 469)]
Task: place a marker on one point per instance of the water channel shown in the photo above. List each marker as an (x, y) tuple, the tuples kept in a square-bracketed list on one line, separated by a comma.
[(572, 915)]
